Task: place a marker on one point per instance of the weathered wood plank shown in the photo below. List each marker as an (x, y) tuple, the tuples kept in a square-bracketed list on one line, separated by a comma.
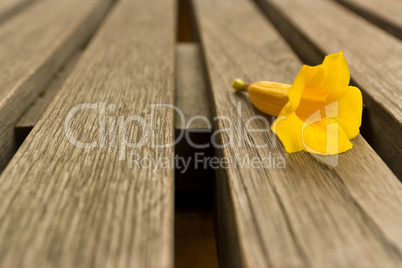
[(65, 206), (315, 28), (191, 95), (191, 89), (8, 8), (306, 214), (29, 119), (33, 45), (385, 14)]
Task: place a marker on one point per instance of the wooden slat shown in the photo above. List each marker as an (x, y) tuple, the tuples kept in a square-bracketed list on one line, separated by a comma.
[(386, 14), (307, 214), (8, 8), (33, 45), (315, 28), (191, 89), (65, 206), (31, 117)]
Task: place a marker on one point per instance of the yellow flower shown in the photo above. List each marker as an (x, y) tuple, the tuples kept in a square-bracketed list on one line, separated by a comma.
[(319, 113)]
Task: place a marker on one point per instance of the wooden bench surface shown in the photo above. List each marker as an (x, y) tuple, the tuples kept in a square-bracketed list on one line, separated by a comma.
[(10, 7), (386, 14), (63, 205), (32, 49), (305, 215), (32, 115)]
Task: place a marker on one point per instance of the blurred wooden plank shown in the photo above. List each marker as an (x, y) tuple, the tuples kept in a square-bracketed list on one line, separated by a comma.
[(68, 206), (303, 215), (29, 119), (33, 45), (386, 14), (314, 28), (191, 89), (8, 8)]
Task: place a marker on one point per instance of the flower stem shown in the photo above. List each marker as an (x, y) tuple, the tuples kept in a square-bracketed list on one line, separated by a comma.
[(239, 85)]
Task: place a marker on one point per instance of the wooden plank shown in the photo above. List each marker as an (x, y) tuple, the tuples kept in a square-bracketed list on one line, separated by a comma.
[(306, 214), (32, 49), (9, 8), (385, 14), (31, 117), (315, 28), (65, 206)]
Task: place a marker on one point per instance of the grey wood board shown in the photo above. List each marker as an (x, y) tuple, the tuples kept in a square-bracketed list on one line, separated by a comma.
[(8, 8), (65, 206), (33, 45), (191, 89), (385, 14), (38, 107)]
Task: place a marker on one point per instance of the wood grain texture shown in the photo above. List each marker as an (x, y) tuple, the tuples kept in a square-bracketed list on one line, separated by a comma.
[(8, 8), (65, 206), (29, 119), (316, 28), (33, 45), (385, 14), (307, 214)]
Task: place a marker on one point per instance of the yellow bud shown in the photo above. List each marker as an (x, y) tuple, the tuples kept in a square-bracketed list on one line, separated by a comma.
[(239, 85), (269, 97)]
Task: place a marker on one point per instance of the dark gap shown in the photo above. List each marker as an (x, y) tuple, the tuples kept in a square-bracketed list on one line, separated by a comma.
[(224, 224), (193, 176), (185, 31), (21, 134), (195, 236), (195, 244), (382, 23)]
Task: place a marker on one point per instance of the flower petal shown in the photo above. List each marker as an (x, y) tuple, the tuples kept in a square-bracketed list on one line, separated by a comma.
[(325, 137), (333, 74), (288, 128), (323, 112), (350, 110), (296, 90), (337, 72)]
